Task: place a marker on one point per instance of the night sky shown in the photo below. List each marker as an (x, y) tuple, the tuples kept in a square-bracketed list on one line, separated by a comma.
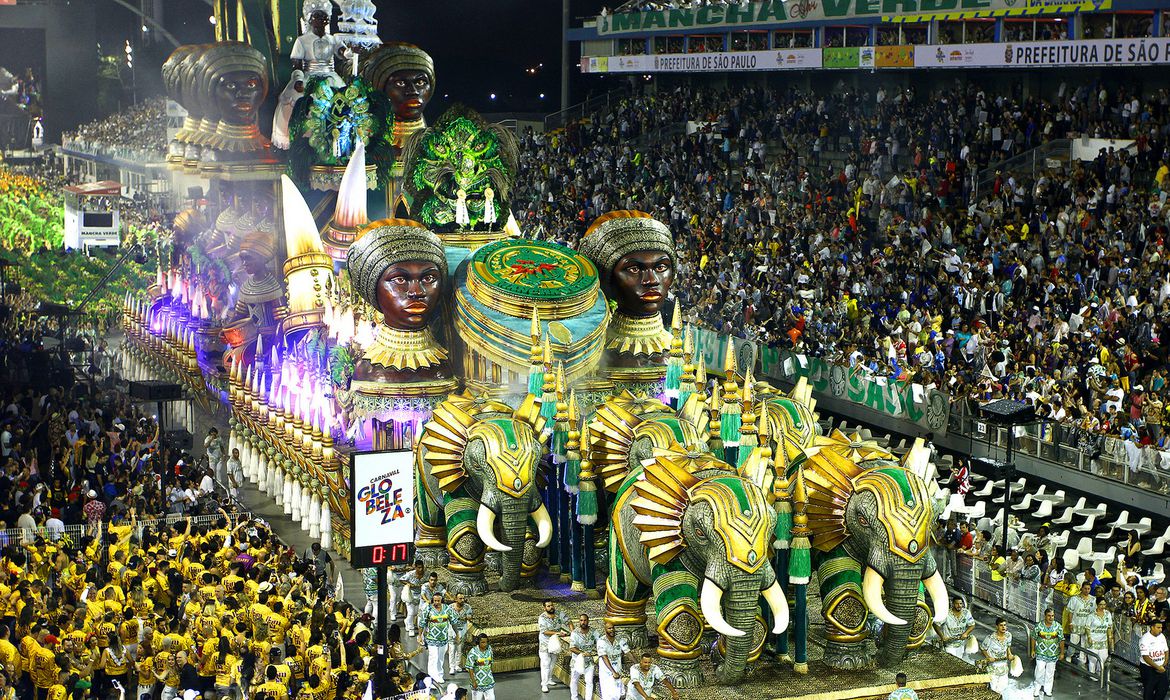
[(479, 46)]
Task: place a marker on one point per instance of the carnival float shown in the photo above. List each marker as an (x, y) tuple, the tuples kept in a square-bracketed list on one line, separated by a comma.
[(359, 284)]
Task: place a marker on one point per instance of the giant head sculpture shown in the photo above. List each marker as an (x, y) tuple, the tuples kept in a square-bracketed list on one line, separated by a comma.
[(398, 266), (234, 82), (405, 74)]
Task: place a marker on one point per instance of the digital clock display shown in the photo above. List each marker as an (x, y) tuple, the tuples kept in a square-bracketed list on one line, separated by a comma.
[(382, 504)]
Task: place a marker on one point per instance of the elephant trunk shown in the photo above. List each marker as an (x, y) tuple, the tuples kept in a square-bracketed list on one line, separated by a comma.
[(741, 606), (514, 529), (900, 594)]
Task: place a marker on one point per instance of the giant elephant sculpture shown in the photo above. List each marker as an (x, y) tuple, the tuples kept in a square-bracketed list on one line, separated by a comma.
[(687, 529), (871, 520), (478, 463)]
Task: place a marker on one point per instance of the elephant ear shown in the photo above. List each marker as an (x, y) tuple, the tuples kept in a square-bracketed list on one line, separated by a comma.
[(443, 441), (619, 424), (661, 499), (529, 412), (828, 477), (695, 412)]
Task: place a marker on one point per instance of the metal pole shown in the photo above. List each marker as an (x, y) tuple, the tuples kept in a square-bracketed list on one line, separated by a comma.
[(1007, 488), (382, 632), (564, 54)]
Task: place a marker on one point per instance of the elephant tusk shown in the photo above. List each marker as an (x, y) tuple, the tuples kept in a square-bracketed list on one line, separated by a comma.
[(710, 602), (937, 590), (778, 602), (544, 527), (871, 591), (485, 525)]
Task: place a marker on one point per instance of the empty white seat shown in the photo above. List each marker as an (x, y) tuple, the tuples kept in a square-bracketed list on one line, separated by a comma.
[(1072, 559), (986, 490), (1059, 539), (1087, 526), (1085, 545), (1079, 504), (1065, 517), (1121, 519), (978, 511), (1100, 559), (1159, 573), (1111, 531), (1044, 511), (1040, 491), (1024, 504)]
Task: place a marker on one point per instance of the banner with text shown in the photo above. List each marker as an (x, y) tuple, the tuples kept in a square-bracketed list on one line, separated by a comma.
[(778, 59), (927, 408), (1046, 54), (775, 12)]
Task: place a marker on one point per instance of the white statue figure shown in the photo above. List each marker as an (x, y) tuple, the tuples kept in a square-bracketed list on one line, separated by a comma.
[(489, 206), (312, 55), (357, 26), (461, 216)]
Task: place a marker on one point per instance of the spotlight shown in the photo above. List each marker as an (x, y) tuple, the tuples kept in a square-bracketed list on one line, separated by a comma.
[(493, 95), (211, 19), (542, 95)]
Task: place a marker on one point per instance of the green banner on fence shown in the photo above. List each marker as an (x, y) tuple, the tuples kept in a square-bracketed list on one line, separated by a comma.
[(904, 400)]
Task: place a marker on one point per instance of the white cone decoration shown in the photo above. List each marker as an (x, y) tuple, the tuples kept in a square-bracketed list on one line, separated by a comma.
[(306, 506), (315, 516), (351, 195), (293, 508), (326, 525), (276, 485), (253, 469)]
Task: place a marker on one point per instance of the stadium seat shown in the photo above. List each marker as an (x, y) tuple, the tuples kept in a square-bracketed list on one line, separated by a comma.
[(978, 511), (1111, 528), (1057, 498), (1072, 559), (1079, 504), (1101, 559), (986, 490), (1059, 539), (1141, 527), (1159, 543), (1159, 573), (1085, 546), (1024, 504), (1088, 525), (1065, 517), (1044, 511)]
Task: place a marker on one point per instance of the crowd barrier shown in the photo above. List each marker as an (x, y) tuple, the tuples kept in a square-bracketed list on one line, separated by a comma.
[(936, 411), (1027, 601)]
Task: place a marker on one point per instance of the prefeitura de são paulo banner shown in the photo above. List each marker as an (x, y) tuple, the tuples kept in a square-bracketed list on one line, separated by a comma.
[(1032, 54), (777, 59), (773, 12), (1046, 54)]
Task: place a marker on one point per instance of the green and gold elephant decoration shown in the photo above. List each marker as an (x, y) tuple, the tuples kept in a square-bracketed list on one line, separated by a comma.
[(478, 466)]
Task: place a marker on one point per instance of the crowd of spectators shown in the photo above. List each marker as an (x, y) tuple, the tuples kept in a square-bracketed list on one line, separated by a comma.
[(139, 131), (853, 225), (101, 598)]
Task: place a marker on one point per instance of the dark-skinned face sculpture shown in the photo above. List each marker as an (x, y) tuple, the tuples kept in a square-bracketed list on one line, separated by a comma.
[(634, 255), (408, 294)]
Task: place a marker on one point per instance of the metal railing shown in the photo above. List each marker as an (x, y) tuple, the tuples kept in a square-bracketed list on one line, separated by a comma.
[(1071, 447), (1026, 601), (1029, 162), (591, 106)]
